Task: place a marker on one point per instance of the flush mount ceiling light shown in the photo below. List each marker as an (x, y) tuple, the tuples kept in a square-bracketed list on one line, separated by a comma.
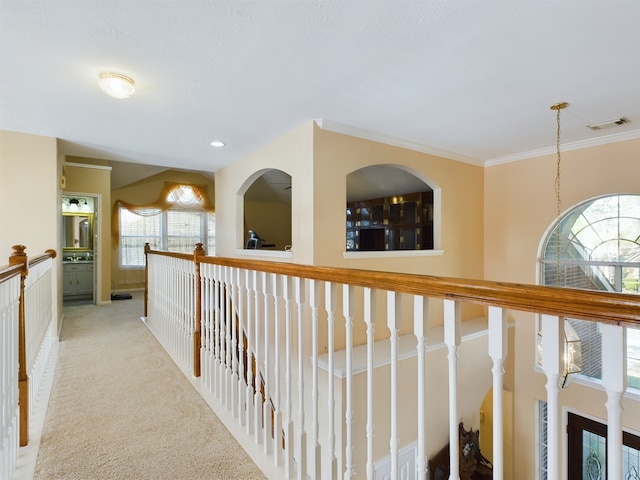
[(217, 143), (116, 85)]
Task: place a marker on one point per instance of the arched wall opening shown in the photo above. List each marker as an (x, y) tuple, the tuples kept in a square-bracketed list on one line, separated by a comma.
[(392, 207), (265, 203)]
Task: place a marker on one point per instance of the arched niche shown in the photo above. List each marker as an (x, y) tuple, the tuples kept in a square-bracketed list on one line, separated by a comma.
[(392, 207), (266, 209)]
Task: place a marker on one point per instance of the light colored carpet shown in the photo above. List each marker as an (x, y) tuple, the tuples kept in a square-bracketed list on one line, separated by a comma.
[(121, 409)]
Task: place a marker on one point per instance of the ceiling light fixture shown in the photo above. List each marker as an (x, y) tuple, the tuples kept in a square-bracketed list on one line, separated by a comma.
[(116, 85), (217, 143)]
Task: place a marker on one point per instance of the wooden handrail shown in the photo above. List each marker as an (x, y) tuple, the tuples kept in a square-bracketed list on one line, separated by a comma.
[(605, 307), (9, 271)]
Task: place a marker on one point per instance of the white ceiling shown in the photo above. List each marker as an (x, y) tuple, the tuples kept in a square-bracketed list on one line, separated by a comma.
[(473, 80)]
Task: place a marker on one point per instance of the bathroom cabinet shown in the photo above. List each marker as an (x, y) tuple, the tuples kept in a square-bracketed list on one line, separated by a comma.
[(77, 280)]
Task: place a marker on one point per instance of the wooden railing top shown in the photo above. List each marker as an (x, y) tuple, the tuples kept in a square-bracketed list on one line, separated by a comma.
[(8, 271), (605, 307), (18, 259)]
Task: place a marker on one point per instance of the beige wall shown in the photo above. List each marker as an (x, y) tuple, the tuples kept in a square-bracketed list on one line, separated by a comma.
[(520, 206), (29, 174), (28, 193), (95, 180), (336, 155), (144, 192), (291, 153)]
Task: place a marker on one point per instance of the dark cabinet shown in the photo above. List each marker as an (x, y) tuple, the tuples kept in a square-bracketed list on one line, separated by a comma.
[(402, 222)]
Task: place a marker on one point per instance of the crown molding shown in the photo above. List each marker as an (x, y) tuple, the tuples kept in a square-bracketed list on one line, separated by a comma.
[(87, 165), (590, 142), (337, 127)]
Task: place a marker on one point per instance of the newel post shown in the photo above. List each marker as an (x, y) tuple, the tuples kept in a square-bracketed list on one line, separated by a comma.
[(147, 249), (197, 332), (20, 257)]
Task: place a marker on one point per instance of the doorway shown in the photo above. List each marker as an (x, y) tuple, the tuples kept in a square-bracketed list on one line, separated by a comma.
[(80, 247), (587, 451)]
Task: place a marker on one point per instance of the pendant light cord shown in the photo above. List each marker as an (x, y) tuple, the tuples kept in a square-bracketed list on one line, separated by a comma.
[(557, 107)]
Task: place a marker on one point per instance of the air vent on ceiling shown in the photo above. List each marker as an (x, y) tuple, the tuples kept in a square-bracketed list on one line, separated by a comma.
[(608, 123)]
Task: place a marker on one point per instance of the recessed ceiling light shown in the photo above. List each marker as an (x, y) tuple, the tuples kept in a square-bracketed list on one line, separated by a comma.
[(116, 85), (217, 143)]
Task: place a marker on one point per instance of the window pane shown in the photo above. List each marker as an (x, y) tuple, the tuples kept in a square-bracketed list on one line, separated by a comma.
[(599, 250), (135, 231), (211, 234), (184, 230)]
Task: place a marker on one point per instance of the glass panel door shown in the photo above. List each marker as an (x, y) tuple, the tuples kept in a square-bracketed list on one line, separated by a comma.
[(587, 453)]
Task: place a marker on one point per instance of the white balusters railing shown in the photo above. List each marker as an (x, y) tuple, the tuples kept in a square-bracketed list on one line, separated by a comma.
[(171, 306), (9, 411), (319, 401), (27, 335)]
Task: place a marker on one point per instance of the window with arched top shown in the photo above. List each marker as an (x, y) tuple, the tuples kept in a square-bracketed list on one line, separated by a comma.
[(181, 216), (596, 246)]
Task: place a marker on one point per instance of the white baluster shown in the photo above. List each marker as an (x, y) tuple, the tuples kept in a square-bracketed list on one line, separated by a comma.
[(266, 406), (452, 340), (242, 383), (420, 329), (221, 335), (330, 307), (614, 380), (498, 345), (314, 301), (393, 323), (552, 346), (216, 331), (228, 327), (249, 321), (370, 320), (277, 414), (205, 304), (302, 434), (257, 396), (288, 421), (234, 325)]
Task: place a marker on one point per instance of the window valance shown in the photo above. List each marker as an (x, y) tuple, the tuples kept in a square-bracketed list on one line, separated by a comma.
[(172, 195)]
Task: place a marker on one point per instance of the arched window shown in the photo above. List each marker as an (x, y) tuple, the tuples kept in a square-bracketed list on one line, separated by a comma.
[(181, 217), (596, 246)]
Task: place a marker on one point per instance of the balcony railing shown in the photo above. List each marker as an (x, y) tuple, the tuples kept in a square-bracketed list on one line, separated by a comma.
[(27, 333), (329, 372)]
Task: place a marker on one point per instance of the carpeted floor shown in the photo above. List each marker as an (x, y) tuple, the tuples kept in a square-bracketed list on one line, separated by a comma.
[(121, 409)]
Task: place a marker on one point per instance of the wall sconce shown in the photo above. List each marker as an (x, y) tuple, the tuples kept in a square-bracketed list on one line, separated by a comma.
[(572, 355), (72, 204)]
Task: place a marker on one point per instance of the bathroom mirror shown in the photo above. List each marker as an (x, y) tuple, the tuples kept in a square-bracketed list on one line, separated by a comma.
[(77, 231)]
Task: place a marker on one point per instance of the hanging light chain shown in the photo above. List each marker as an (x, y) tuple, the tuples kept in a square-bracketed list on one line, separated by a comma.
[(557, 107)]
